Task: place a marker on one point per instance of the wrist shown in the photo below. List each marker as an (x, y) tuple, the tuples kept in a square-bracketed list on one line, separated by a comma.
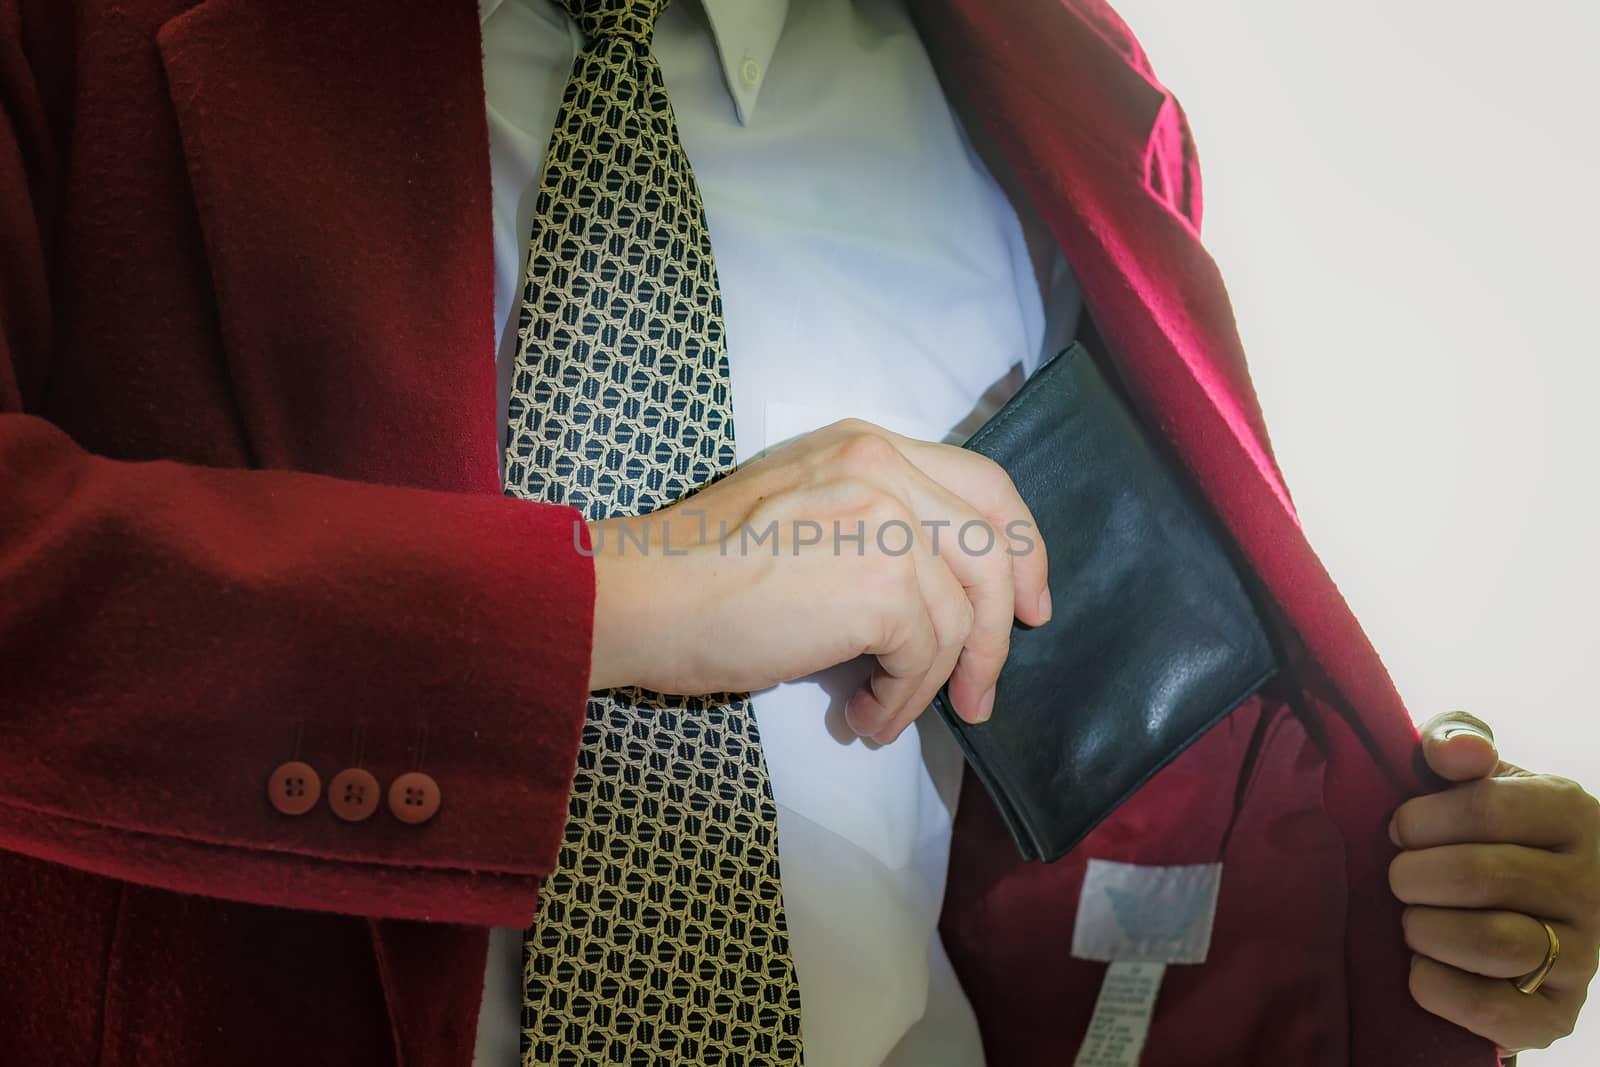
[(625, 608), (606, 671)]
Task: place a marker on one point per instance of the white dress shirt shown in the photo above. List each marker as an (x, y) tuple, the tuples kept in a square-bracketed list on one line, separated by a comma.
[(869, 267)]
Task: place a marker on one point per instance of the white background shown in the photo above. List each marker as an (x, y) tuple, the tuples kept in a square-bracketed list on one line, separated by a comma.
[(1405, 199)]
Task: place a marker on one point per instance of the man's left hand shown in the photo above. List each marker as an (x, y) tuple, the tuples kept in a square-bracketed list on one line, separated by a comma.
[(1484, 864)]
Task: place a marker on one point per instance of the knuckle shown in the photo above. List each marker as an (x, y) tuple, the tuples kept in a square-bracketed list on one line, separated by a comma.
[(1505, 938), (1584, 890), (953, 621), (874, 627), (891, 584), (1578, 997), (965, 616), (866, 451), (850, 426), (1587, 892), (1570, 793), (992, 643), (990, 584), (1585, 808), (989, 464), (995, 564), (879, 508), (1546, 1029), (1484, 809), (1588, 963), (890, 606), (1537, 1040), (993, 475)]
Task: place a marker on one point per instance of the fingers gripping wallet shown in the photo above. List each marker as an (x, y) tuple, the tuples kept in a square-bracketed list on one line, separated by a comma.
[(1153, 637)]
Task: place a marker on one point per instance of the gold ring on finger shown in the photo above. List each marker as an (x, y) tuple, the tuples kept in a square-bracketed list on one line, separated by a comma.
[(1530, 982)]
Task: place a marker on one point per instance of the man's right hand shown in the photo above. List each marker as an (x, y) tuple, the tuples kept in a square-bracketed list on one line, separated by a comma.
[(744, 584)]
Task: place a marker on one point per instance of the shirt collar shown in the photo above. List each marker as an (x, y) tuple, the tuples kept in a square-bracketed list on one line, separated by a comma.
[(746, 34)]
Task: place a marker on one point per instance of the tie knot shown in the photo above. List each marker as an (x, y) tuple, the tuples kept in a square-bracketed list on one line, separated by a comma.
[(634, 20)]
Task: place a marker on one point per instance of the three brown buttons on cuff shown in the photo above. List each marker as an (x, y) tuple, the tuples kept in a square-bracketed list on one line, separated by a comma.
[(353, 794)]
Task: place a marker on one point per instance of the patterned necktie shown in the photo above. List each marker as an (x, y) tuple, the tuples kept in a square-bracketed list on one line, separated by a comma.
[(660, 938)]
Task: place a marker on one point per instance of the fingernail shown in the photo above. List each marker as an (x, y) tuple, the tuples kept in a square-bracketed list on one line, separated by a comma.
[(1044, 605), (1460, 722), (985, 705), (1394, 831)]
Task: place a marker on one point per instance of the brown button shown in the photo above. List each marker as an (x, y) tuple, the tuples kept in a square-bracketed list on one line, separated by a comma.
[(353, 794), (414, 797), (294, 788)]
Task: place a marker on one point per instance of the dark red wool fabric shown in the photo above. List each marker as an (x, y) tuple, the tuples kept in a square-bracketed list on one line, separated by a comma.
[(249, 510)]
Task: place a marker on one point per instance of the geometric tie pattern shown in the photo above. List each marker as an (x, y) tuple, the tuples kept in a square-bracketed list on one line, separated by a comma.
[(660, 937)]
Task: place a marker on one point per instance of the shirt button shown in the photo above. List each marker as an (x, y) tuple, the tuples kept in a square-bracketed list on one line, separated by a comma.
[(750, 72), (414, 797), (294, 788), (353, 794)]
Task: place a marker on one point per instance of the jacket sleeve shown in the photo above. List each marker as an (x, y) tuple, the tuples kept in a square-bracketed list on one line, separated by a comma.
[(170, 634)]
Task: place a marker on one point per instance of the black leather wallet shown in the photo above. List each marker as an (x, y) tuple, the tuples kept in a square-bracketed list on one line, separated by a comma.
[(1153, 636)]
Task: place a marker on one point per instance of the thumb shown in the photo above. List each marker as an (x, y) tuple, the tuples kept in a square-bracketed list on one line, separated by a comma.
[(1459, 747)]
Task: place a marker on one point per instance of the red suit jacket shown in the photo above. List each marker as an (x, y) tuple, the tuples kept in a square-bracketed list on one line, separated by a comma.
[(249, 511)]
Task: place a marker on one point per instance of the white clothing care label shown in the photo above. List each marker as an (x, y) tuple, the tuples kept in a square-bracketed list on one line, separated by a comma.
[(1138, 919), (1121, 1019)]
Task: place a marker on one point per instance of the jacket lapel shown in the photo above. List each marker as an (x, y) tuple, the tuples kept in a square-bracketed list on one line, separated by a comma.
[(1101, 152), (339, 159)]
